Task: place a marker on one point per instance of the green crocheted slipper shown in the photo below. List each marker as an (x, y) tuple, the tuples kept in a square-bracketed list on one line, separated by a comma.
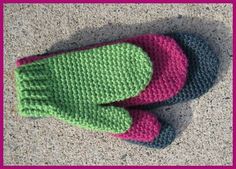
[(73, 85)]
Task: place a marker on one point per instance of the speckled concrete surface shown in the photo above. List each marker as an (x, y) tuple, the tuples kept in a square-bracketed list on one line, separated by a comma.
[(204, 125)]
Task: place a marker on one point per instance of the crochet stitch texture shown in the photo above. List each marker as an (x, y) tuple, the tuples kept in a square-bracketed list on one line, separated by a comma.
[(203, 67), (145, 127), (169, 67), (71, 86), (165, 138), (202, 70)]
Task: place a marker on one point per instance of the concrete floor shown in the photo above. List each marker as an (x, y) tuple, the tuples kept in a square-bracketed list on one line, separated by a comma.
[(204, 125)]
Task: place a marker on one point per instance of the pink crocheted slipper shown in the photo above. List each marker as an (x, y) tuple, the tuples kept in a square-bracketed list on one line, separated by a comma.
[(169, 68)]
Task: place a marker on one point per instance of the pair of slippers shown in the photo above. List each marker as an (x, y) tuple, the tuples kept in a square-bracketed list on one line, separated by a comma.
[(97, 87)]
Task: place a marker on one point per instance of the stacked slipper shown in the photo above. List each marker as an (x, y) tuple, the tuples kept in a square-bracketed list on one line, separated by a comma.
[(97, 87)]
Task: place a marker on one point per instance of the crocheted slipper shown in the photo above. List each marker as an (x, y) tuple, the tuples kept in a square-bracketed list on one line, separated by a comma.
[(169, 68), (202, 70), (73, 85), (149, 130), (165, 138)]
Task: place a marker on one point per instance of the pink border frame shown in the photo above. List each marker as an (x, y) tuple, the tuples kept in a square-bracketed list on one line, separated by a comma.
[(110, 1)]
